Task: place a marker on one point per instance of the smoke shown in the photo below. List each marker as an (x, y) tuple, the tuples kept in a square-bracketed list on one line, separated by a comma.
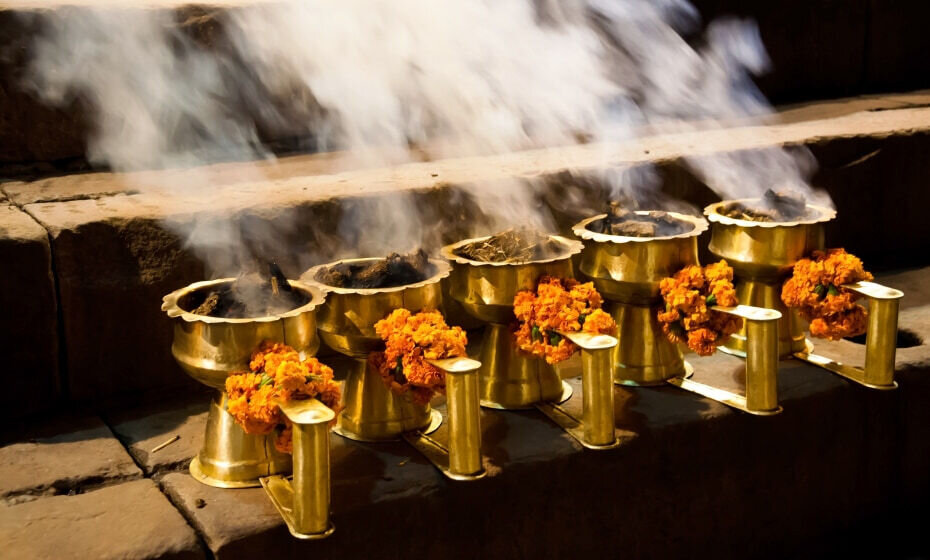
[(387, 80)]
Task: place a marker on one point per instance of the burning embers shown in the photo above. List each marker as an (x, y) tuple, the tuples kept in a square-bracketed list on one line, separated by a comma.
[(251, 295), (513, 246), (395, 270), (624, 222), (772, 207)]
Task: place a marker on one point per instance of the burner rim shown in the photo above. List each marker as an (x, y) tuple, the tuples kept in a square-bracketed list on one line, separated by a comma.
[(581, 229), (443, 269), (712, 211), (572, 248), (170, 304)]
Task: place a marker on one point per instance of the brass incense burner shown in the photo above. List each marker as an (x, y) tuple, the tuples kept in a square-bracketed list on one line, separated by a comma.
[(627, 272), (510, 379), (372, 412), (211, 348), (762, 255)]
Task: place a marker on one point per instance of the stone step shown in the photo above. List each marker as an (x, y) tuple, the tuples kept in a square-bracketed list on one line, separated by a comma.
[(65, 455), (818, 50), (132, 520), (113, 257)]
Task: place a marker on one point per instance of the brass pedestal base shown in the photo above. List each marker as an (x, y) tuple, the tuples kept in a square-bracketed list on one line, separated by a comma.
[(645, 356), (231, 458), (880, 340), (373, 413), (767, 294), (571, 425), (720, 395), (511, 380), (280, 491)]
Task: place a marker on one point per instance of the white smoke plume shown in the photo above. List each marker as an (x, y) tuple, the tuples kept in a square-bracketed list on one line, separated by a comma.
[(448, 77)]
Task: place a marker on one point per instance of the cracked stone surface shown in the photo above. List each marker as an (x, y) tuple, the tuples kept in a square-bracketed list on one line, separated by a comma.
[(65, 455), (132, 520), (142, 430)]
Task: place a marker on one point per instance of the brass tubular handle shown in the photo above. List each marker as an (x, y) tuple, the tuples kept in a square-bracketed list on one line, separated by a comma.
[(464, 413), (882, 333), (597, 386), (311, 426), (761, 355)]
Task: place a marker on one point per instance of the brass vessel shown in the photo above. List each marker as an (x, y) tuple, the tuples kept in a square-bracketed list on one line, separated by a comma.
[(209, 349), (373, 412), (627, 272), (762, 255), (510, 379)]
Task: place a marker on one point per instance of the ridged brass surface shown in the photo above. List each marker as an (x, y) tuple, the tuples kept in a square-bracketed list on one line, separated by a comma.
[(347, 319), (486, 290), (372, 412)]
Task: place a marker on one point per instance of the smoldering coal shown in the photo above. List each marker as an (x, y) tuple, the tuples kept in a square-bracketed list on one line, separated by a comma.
[(513, 246), (624, 222), (251, 295), (772, 207), (392, 271)]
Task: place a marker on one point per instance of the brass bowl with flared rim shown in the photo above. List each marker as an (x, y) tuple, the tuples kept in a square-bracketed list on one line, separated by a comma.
[(210, 348), (765, 249), (347, 320), (629, 269), (486, 289)]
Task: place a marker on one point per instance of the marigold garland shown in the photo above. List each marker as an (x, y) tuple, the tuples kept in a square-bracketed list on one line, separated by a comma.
[(815, 290), (278, 375), (411, 339), (688, 296), (558, 305)]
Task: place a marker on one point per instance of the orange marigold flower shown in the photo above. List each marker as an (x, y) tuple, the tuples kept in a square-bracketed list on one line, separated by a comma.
[(815, 289), (558, 305), (410, 340), (278, 376), (702, 341), (689, 296)]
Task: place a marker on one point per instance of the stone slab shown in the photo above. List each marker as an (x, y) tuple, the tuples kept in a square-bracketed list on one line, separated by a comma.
[(29, 321), (80, 186), (62, 456), (130, 520), (143, 429)]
